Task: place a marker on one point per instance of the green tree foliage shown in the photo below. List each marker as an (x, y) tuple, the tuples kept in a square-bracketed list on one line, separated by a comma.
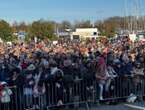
[(42, 30), (6, 31), (64, 25), (109, 26), (22, 26), (83, 24)]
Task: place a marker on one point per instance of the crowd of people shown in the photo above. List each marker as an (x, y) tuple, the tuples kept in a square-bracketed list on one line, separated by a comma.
[(30, 66)]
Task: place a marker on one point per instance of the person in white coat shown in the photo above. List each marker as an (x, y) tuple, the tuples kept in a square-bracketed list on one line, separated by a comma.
[(5, 94)]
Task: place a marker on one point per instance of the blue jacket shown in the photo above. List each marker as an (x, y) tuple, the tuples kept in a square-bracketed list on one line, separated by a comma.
[(127, 68)]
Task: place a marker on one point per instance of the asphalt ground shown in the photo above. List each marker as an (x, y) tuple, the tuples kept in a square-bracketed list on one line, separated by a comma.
[(121, 106)]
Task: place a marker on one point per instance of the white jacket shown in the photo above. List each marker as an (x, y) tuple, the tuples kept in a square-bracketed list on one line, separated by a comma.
[(5, 95)]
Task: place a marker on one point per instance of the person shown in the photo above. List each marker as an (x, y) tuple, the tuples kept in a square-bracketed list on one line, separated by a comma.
[(68, 78), (128, 66), (17, 81), (138, 71), (101, 75), (4, 70), (118, 67), (39, 90), (110, 86), (5, 94), (54, 69), (28, 88), (57, 75), (88, 76)]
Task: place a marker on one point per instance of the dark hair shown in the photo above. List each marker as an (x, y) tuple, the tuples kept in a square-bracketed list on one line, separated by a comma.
[(17, 70), (53, 64), (97, 53)]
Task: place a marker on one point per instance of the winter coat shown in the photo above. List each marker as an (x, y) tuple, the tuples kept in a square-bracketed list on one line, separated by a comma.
[(118, 70), (111, 72), (5, 95), (128, 69), (101, 72)]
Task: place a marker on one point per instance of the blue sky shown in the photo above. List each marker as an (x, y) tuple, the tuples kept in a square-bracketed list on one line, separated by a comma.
[(58, 10)]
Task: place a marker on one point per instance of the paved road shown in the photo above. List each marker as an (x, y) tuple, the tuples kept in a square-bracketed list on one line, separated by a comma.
[(123, 106), (136, 106), (119, 107)]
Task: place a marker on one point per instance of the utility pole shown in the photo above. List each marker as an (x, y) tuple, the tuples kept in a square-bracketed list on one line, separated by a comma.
[(126, 25), (136, 7), (133, 15)]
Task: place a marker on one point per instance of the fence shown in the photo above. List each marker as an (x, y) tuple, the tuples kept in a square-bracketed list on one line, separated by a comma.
[(80, 92)]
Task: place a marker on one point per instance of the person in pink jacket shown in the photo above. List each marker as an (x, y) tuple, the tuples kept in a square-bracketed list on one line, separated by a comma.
[(101, 75)]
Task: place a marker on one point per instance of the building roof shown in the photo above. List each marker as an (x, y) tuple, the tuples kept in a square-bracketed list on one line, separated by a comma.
[(86, 30)]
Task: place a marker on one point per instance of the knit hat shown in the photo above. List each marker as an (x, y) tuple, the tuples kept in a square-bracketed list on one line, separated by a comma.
[(3, 83)]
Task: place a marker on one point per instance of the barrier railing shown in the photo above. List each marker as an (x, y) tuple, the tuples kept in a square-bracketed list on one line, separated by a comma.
[(80, 92)]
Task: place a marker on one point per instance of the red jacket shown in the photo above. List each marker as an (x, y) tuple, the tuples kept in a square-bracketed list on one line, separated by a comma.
[(24, 65), (1, 88)]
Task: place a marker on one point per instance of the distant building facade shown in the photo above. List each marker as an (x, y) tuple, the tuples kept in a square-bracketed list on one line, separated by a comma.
[(20, 35), (85, 33), (79, 34)]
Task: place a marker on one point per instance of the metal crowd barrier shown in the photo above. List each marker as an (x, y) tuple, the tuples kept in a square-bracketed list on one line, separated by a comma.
[(78, 93)]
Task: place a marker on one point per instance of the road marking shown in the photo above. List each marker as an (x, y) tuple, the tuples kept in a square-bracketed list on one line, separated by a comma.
[(135, 107)]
